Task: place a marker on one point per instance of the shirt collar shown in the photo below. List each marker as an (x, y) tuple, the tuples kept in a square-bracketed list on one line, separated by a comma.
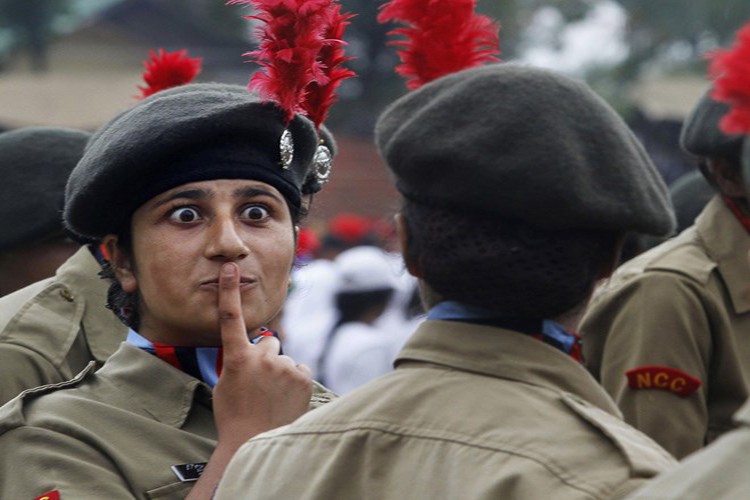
[(504, 354), (164, 392), (727, 243)]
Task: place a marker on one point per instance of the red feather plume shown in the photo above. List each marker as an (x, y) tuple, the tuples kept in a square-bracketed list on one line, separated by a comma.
[(300, 54), (321, 94), (441, 37), (165, 70), (731, 71)]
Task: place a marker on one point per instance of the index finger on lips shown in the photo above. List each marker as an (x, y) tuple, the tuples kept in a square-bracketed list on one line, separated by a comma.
[(231, 322)]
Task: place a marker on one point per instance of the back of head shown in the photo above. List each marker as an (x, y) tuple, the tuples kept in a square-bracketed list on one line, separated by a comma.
[(518, 182), (35, 163)]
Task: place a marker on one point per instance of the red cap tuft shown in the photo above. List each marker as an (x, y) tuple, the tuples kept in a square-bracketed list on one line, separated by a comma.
[(442, 37), (731, 71), (350, 228), (307, 242), (165, 70), (300, 54)]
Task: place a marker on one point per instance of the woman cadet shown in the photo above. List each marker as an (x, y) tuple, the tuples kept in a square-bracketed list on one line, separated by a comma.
[(196, 193)]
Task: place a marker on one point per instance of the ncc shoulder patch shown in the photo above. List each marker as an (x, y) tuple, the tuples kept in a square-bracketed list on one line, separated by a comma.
[(663, 378), (50, 495)]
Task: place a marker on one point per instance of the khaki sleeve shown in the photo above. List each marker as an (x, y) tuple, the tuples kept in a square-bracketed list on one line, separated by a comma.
[(657, 321), (36, 461), (21, 369)]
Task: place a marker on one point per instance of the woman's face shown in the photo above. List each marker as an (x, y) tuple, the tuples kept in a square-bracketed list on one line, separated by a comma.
[(180, 240)]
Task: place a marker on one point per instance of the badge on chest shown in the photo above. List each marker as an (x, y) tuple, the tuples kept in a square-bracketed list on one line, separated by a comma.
[(187, 473)]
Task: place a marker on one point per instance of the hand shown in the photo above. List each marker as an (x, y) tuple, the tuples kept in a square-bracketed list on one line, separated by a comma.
[(258, 390)]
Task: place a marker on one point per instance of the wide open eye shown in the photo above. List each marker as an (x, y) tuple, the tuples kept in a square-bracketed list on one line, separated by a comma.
[(255, 213), (184, 215)]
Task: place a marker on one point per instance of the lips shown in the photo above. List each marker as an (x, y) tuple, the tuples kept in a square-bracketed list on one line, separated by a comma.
[(214, 282)]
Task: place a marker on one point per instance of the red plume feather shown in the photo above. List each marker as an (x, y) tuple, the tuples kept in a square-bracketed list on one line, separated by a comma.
[(166, 70), (321, 94), (442, 37), (299, 53), (731, 71)]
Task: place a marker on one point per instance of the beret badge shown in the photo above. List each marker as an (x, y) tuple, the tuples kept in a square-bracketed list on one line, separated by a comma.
[(286, 149), (323, 163)]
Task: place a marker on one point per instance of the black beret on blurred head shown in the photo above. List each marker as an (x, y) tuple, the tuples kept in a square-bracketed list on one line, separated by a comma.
[(701, 134), (187, 134), (35, 163), (522, 144)]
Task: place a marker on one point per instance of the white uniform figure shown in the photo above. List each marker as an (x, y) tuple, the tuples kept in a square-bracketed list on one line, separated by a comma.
[(356, 349), (309, 312)]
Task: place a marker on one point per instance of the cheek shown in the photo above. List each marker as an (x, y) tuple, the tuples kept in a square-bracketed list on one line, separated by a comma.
[(161, 264), (278, 258)]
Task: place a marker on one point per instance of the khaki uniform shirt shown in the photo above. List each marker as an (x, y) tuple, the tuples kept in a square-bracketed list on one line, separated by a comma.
[(50, 330), (471, 411), (717, 473), (677, 313), (110, 434)]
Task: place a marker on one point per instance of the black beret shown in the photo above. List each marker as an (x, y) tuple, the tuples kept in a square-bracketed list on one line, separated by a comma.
[(701, 134), (35, 164), (522, 144), (186, 134)]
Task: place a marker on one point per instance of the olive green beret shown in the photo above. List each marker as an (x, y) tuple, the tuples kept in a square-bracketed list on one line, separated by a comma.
[(35, 163), (522, 144), (701, 134), (186, 134)]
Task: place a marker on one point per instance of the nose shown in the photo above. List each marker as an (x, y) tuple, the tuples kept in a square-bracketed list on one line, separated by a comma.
[(225, 242)]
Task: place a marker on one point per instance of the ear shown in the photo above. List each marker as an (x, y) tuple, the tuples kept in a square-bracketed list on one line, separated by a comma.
[(402, 232), (608, 267), (122, 263)]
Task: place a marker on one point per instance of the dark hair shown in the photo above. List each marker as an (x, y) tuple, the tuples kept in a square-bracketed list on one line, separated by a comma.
[(352, 305), (125, 304), (516, 270)]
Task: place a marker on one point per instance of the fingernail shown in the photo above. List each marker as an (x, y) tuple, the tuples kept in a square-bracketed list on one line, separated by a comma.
[(228, 269)]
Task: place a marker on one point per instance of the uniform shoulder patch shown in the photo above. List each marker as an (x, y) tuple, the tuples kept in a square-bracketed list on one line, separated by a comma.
[(50, 495), (663, 378)]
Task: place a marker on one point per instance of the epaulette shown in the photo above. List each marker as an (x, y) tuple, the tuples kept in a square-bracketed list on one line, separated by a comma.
[(645, 457), (12, 413), (47, 323)]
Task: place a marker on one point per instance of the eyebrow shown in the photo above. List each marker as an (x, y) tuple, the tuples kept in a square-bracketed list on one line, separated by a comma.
[(191, 194), (250, 192)]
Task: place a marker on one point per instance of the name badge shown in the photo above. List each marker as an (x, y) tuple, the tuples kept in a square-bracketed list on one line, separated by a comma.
[(187, 473)]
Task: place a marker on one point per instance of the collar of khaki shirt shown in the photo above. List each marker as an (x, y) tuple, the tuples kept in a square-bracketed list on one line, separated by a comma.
[(504, 354), (151, 382), (727, 243)]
